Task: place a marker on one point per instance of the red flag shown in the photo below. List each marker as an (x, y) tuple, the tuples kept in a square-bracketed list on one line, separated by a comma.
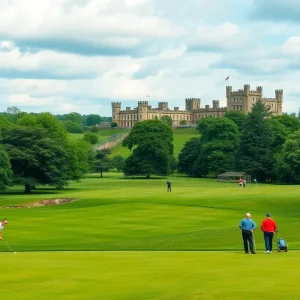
[(227, 78)]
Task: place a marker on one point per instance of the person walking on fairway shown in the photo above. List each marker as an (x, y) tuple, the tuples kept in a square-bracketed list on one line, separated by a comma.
[(2, 225), (268, 227), (244, 183), (169, 189), (247, 226), (240, 182)]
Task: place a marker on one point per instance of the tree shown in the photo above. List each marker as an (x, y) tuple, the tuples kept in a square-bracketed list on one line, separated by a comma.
[(219, 142), (255, 153), (152, 145), (114, 124), (5, 170), (167, 119), (237, 117), (279, 132), (290, 122), (188, 156), (183, 122), (288, 160), (13, 110), (74, 117), (150, 157), (36, 157), (119, 162), (73, 127), (102, 162), (92, 119), (91, 137)]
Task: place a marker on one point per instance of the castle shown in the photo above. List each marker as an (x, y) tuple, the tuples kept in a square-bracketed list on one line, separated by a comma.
[(240, 100)]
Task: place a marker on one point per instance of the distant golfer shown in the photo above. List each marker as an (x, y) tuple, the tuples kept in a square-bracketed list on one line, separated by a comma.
[(247, 226), (268, 227), (169, 189), (2, 225), (244, 183), (240, 182)]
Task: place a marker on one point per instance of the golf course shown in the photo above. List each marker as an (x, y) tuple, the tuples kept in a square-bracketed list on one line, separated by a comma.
[(127, 238)]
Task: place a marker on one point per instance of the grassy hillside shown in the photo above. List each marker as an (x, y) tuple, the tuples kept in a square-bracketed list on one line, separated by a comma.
[(102, 134), (181, 136)]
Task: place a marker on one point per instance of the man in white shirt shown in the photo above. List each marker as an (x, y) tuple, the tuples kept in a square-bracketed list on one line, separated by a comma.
[(2, 225)]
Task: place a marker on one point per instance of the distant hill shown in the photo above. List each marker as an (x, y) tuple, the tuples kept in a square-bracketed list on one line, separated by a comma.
[(181, 136)]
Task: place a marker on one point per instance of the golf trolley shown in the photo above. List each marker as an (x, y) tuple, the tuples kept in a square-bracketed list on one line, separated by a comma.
[(281, 244)]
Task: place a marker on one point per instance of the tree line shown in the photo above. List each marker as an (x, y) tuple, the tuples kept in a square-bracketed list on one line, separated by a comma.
[(36, 149), (266, 147)]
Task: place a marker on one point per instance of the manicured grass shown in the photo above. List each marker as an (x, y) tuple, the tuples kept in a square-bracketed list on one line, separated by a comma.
[(150, 275), (116, 213), (127, 238)]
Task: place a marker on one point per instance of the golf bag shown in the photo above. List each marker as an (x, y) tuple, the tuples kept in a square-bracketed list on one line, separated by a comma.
[(281, 244)]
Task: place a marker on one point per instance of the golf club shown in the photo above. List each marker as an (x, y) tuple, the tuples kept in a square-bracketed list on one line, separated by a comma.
[(8, 247), (254, 245)]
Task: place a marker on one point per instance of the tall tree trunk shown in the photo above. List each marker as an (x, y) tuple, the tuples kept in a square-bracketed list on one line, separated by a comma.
[(101, 175), (27, 188)]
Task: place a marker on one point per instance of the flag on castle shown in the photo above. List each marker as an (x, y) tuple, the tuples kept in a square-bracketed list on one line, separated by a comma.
[(227, 78)]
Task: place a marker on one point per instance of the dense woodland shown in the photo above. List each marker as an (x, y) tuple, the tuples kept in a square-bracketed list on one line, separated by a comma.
[(36, 149)]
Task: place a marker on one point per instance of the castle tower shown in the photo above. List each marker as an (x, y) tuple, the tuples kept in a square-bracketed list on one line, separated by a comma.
[(116, 108), (142, 110), (229, 99), (279, 100), (163, 105), (192, 103), (216, 104)]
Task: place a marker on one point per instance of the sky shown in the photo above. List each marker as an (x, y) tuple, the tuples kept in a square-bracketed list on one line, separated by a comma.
[(64, 56)]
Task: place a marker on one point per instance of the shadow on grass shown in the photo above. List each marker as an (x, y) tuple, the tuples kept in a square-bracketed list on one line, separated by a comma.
[(37, 191)]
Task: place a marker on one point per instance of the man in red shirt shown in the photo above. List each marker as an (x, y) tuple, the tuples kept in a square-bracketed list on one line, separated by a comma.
[(268, 227)]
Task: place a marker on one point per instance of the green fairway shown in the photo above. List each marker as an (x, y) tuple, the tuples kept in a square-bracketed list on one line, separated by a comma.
[(150, 275), (127, 238), (117, 213)]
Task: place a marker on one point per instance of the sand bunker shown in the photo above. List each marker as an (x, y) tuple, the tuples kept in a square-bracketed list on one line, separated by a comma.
[(42, 203)]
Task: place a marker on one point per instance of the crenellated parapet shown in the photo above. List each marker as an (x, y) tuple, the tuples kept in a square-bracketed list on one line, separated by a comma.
[(116, 104), (142, 103)]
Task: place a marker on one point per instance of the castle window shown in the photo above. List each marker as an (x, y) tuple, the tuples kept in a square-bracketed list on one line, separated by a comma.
[(114, 117), (141, 116)]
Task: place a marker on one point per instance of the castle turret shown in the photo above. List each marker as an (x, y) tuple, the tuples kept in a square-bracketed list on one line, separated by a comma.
[(216, 104), (163, 105), (279, 100), (228, 96), (116, 108), (192, 103), (142, 110)]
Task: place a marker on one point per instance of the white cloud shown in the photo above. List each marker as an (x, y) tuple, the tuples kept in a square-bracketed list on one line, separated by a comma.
[(79, 55), (292, 46)]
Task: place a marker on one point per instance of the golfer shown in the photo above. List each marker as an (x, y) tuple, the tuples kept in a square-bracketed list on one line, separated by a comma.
[(247, 226), (169, 189), (2, 225), (240, 182), (268, 227)]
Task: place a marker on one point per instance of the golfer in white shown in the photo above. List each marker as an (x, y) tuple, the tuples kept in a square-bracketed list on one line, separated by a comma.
[(2, 225)]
